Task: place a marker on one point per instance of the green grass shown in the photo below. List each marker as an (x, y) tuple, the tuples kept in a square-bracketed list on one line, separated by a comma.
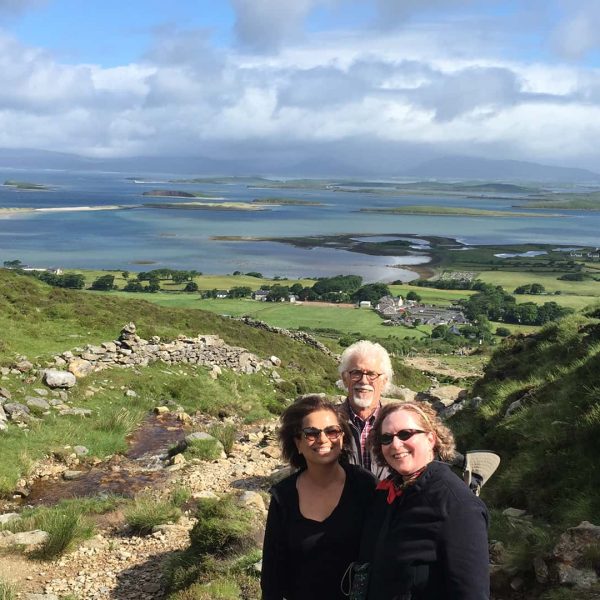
[(293, 316), (554, 376), (509, 280), (253, 397), (223, 547), (207, 449), (431, 295), (7, 591), (147, 512), (66, 524), (225, 433)]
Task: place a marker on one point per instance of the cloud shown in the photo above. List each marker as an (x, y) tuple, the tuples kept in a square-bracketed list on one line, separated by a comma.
[(578, 33), (368, 98), (266, 25)]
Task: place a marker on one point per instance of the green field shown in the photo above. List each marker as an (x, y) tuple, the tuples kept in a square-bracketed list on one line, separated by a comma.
[(574, 294), (290, 316), (205, 282), (431, 295)]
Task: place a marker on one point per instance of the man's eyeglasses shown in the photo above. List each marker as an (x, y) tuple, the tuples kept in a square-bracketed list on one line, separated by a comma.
[(403, 435), (358, 374), (312, 434)]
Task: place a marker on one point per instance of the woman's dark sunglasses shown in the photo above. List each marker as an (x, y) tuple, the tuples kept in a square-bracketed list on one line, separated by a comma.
[(403, 435), (312, 434)]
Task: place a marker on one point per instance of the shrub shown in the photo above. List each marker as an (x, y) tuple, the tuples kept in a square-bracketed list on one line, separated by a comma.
[(204, 449), (146, 513), (223, 528), (64, 528), (226, 434), (180, 495), (502, 331)]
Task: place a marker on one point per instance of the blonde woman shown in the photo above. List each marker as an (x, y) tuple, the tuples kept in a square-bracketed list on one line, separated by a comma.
[(425, 537)]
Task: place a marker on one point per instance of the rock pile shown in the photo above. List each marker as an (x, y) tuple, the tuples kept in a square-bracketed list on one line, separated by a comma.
[(299, 336), (130, 350)]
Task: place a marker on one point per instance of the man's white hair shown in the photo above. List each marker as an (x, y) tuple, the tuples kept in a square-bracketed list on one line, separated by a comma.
[(369, 349)]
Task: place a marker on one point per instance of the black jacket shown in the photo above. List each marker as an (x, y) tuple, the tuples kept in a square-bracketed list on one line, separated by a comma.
[(435, 545), (305, 559)]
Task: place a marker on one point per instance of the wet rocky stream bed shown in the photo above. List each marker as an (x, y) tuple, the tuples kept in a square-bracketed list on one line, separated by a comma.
[(125, 475)]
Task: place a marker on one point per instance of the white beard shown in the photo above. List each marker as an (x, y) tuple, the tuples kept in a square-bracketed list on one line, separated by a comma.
[(362, 402)]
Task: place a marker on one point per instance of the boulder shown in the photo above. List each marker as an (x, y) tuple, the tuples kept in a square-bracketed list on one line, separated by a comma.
[(8, 517), (54, 378), (4, 393), (80, 367), (445, 395), (16, 411), (23, 366), (37, 404), (27, 539), (570, 551)]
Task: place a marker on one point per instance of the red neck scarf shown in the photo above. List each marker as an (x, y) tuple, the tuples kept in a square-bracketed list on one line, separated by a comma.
[(396, 484)]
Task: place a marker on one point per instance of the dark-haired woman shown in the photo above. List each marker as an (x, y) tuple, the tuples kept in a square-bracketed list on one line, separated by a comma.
[(425, 537), (315, 516)]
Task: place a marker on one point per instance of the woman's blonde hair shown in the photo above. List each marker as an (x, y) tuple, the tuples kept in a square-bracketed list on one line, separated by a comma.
[(429, 421)]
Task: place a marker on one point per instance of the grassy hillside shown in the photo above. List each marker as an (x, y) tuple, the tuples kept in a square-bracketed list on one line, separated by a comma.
[(38, 320), (550, 439)]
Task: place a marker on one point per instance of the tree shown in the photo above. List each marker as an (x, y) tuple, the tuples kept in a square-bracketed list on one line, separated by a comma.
[(339, 283), (413, 296), (254, 274), (103, 283), (74, 281), (153, 286), (372, 292), (191, 286), (125, 274), (278, 293), (240, 292), (133, 286), (13, 264), (296, 289)]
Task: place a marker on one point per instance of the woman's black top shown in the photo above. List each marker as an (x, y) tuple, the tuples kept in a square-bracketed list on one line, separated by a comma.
[(305, 559), (435, 544)]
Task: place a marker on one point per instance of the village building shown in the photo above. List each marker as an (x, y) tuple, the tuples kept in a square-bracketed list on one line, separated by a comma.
[(261, 295)]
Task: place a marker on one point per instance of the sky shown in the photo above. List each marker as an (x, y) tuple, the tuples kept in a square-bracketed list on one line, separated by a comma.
[(358, 81)]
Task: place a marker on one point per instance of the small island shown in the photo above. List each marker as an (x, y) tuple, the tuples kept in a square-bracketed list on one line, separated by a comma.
[(287, 202), (244, 206), (25, 185), (579, 201), (178, 194), (443, 211)]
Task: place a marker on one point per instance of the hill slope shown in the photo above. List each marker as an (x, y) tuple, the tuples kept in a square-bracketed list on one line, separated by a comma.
[(541, 413)]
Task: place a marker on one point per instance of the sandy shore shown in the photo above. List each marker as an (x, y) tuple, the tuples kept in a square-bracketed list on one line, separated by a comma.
[(15, 211)]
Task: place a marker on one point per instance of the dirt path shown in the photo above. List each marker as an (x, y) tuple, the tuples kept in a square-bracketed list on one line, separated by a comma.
[(118, 565)]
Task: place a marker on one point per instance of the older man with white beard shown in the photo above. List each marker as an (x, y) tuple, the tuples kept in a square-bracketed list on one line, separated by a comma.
[(366, 371)]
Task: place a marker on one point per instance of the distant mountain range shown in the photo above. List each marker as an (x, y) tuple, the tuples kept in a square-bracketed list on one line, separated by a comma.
[(444, 168), (463, 167)]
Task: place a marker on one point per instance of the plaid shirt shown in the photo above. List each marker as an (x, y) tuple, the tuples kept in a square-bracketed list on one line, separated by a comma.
[(363, 426)]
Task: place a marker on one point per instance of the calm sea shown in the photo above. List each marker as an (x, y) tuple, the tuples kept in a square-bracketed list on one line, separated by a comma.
[(145, 238)]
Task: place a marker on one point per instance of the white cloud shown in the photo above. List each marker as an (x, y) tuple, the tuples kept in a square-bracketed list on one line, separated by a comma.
[(366, 95)]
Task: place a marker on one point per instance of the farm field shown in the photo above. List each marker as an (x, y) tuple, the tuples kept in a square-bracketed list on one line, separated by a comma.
[(289, 316)]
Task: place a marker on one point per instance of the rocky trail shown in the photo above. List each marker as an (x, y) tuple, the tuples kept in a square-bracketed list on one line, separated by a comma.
[(115, 564)]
